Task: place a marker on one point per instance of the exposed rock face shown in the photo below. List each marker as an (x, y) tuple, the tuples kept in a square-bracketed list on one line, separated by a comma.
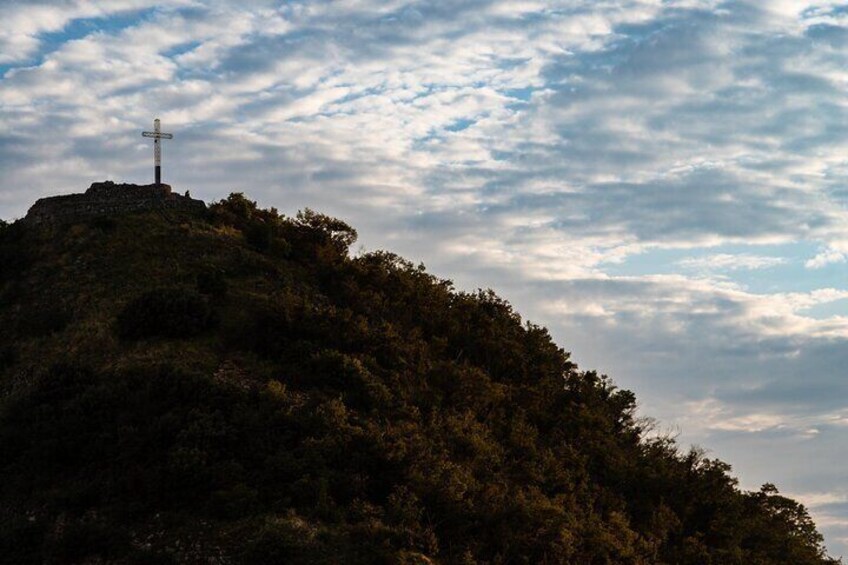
[(107, 199)]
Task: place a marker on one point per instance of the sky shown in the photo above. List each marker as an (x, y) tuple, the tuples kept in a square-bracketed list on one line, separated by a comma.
[(661, 183)]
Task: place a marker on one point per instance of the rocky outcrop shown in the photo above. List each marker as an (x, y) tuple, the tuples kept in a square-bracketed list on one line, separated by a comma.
[(109, 199)]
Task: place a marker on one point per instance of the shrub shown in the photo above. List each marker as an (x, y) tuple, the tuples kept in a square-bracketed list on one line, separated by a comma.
[(339, 232), (44, 321), (235, 210), (15, 254), (8, 357), (85, 541), (212, 282), (166, 313), (283, 540), (259, 235), (104, 224)]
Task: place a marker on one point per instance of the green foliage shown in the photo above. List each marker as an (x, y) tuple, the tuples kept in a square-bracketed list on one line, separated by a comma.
[(237, 209), (344, 410), (212, 282), (281, 540), (15, 252), (44, 321), (337, 231), (8, 356), (259, 236), (104, 224), (263, 230), (165, 313)]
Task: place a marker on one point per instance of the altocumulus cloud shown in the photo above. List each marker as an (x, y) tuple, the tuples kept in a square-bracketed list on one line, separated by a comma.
[(661, 183)]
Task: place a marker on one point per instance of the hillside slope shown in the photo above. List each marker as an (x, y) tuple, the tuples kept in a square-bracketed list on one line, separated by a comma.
[(235, 388)]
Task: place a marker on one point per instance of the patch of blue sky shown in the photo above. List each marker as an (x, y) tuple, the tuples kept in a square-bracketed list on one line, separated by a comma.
[(521, 97), (523, 94), (77, 29), (82, 27), (357, 94), (510, 63), (538, 16), (461, 124), (827, 310), (838, 10), (195, 73), (426, 89), (790, 275), (425, 142), (189, 72), (181, 49), (639, 31), (818, 11)]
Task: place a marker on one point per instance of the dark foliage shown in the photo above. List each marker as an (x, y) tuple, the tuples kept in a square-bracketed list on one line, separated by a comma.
[(212, 282), (166, 313), (14, 254), (262, 229), (44, 320), (344, 410), (104, 224), (259, 235), (8, 356)]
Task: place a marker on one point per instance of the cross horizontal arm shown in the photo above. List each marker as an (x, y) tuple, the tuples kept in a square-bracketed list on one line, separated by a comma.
[(157, 135)]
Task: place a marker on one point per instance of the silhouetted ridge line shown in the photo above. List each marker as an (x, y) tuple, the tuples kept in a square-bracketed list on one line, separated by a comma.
[(107, 199)]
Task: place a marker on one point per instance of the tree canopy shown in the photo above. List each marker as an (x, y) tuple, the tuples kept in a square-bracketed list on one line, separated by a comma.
[(238, 388)]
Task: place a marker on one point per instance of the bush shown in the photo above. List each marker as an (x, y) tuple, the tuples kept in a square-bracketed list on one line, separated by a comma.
[(44, 321), (212, 283), (15, 254), (259, 236), (89, 542), (283, 540), (21, 540), (263, 230), (8, 357), (104, 224), (166, 313), (339, 232)]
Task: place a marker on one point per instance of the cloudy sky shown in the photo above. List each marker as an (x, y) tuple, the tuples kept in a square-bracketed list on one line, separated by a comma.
[(662, 183)]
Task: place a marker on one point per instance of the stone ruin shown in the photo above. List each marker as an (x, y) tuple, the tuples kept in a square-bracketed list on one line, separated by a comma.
[(109, 199)]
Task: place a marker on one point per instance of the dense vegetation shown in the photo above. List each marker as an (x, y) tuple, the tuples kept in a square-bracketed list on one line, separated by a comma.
[(237, 389)]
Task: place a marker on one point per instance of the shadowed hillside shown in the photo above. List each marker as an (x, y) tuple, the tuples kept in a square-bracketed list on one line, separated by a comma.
[(232, 387)]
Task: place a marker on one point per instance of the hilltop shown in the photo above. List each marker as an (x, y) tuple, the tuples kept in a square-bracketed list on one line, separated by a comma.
[(230, 385), (110, 199)]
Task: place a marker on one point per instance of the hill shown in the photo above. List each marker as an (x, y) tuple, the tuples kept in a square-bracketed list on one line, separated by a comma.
[(231, 386)]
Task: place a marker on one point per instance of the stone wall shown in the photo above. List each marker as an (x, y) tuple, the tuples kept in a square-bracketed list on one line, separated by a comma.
[(109, 199)]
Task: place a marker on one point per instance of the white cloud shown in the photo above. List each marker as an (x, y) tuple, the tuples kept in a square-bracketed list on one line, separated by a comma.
[(824, 258), (730, 262), (24, 23)]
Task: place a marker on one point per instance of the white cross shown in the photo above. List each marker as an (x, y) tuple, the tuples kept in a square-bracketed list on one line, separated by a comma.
[(157, 134)]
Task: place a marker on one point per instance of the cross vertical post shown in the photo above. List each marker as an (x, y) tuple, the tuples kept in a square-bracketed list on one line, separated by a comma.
[(157, 136)]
